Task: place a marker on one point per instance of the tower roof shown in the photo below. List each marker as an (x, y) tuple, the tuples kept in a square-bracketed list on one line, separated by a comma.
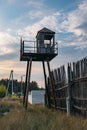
[(45, 30)]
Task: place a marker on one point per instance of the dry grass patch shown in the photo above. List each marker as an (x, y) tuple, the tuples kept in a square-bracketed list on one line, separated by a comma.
[(37, 117)]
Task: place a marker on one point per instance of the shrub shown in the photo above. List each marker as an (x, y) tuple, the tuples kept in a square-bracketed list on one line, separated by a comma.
[(2, 91)]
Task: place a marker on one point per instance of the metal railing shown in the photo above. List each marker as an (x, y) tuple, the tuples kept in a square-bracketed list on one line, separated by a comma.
[(31, 47)]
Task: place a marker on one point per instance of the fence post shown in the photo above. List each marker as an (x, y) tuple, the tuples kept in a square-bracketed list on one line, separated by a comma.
[(68, 99), (68, 105)]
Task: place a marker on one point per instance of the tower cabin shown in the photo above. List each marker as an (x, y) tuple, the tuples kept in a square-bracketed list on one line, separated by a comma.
[(43, 49)]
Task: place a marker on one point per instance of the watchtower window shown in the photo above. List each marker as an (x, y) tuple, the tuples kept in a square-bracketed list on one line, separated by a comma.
[(46, 42)]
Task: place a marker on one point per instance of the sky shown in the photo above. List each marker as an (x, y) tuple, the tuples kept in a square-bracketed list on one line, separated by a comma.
[(23, 18)]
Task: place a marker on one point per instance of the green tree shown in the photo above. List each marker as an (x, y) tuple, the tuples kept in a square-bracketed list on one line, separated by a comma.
[(33, 86), (2, 91)]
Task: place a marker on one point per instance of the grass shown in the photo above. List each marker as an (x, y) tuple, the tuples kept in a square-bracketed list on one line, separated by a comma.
[(37, 117)]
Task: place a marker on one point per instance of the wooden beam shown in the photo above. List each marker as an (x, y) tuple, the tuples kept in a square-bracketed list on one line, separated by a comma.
[(51, 83), (25, 83), (28, 83), (47, 90)]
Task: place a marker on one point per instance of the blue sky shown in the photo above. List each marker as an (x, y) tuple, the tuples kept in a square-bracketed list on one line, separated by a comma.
[(25, 17)]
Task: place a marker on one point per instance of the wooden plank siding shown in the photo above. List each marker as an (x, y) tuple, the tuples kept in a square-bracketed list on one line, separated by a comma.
[(70, 83)]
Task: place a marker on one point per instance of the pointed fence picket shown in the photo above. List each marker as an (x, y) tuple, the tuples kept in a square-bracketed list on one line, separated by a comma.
[(70, 88)]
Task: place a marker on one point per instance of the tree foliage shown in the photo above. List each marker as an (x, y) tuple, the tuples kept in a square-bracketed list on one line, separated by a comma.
[(33, 86), (18, 86), (2, 91)]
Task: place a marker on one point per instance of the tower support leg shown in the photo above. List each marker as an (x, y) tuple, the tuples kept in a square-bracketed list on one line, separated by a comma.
[(47, 96), (27, 83), (51, 84)]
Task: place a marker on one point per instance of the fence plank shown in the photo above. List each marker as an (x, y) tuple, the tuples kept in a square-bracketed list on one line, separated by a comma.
[(71, 96)]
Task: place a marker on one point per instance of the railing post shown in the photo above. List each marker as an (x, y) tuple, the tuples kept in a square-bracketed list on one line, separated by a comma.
[(23, 47)]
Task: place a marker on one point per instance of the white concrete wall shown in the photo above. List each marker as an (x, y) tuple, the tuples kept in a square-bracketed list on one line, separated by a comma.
[(36, 97), (30, 98)]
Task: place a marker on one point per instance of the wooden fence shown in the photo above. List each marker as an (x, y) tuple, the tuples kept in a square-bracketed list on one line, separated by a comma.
[(68, 88)]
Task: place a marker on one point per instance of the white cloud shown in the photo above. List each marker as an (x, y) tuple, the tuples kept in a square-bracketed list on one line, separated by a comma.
[(76, 18), (6, 42), (73, 26), (59, 21), (36, 14), (30, 31), (36, 4), (73, 22), (27, 3), (6, 38)]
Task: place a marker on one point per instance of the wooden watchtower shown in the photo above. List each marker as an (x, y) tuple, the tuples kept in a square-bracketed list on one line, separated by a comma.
[(44, 49)]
